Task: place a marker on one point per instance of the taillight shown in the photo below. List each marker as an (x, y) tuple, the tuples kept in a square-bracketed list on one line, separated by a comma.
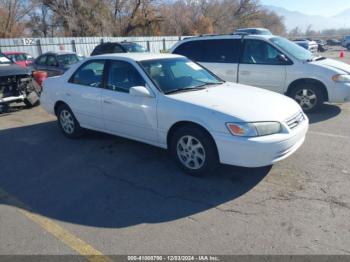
[(39, 76)]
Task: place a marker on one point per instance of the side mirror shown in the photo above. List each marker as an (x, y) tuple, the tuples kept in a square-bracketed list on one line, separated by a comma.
[(282, 58), (140, 91)]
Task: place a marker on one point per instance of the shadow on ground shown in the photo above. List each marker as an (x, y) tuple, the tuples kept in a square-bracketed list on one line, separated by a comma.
[(327, 111), (106, 181)]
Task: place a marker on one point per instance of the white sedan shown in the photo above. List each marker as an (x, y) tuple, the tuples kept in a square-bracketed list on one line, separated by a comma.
[(173, 103)]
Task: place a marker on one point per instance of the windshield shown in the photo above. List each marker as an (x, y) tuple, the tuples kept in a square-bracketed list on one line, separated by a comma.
[(4, 60), (178, 74), (134, 48), (292, 48), (68, 59)]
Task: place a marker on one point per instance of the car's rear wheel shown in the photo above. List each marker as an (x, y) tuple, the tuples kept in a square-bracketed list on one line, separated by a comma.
[(68, 123), (308, 96), (194, 150)]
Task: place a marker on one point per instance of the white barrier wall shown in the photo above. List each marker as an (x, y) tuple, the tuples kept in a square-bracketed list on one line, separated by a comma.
[(81, 45)]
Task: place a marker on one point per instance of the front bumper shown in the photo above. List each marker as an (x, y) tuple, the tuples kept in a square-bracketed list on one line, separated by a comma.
[(259, 151), (339, 93)]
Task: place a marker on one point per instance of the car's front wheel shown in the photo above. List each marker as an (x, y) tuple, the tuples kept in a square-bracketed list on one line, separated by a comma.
[(308, 96), (194, 150), (68, 123)]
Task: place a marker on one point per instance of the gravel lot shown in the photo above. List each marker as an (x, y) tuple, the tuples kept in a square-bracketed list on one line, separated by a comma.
[(122, 197)]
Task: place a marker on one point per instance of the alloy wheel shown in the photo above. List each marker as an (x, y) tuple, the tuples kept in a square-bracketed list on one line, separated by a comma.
[(191, 152)]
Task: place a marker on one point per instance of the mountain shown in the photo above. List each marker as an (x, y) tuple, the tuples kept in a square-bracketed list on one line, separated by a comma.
[(294, 19)]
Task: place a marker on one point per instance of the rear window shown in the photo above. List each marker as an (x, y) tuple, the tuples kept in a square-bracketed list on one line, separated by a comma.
[(211, 51)]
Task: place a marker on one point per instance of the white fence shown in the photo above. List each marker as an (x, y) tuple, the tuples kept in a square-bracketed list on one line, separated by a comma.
[(81, 45)]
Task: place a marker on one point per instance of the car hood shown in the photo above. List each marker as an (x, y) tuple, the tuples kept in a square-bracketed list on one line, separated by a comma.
[(333, 64), (245, 103), (11, 70)]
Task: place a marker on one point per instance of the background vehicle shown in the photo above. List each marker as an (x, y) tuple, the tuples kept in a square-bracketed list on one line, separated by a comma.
[(20, 58), (322, 45), (178, 105), (346, 42), (254, 31), (55, 63), (16, 85), (308, 44), (333, 42), (273, 63), (122, 47)]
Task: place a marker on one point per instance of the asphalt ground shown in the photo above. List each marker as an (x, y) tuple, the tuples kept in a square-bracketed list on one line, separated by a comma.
[(105, 195)]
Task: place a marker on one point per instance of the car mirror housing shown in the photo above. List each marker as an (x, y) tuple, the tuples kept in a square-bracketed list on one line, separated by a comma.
[(140, 91)]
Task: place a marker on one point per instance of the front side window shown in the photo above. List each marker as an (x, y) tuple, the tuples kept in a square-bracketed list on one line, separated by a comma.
[(41, 60), (260, 52), (178, 74), (68, 59), (133, 48), (122, 76), (19, 57), (89, 74), (51, 60)]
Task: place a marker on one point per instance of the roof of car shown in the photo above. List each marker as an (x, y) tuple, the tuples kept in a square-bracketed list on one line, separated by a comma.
[(138, 56), (58, 53), (13, 53), (229, 36)]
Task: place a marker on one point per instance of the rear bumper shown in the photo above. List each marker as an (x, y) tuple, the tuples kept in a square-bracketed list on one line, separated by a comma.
[(259, 151)]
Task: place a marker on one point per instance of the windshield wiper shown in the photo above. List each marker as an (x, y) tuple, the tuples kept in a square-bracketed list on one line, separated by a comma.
[(179, 90)]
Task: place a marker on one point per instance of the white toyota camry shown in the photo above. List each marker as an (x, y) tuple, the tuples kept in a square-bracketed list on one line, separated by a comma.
[(173, 103)]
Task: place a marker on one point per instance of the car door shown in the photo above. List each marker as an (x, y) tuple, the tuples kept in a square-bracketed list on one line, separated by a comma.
[(84, 93), (261, 66), (218, 55), (124, 114), (40, 63), (52, 66)]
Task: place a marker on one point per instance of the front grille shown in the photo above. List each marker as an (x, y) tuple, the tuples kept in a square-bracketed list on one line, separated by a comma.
[(295, 120)]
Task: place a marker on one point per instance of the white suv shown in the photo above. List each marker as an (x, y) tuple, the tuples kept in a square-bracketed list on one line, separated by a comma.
[(273, 63)]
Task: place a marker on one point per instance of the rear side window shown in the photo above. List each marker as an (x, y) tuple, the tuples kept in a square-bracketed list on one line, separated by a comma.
[(117, 49), (211, 51), (89, 74)]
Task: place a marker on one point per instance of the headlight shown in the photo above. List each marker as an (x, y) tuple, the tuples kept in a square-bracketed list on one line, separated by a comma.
[(341, 78), (254, 129)]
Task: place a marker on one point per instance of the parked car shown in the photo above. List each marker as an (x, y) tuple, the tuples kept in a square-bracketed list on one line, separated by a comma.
[(117, 47), (55, 63), (322, 45), (274, 63), (254, 31), (346, 42), (171, 102), (16, 85), (333, 42), (20, 58), (308, 44)]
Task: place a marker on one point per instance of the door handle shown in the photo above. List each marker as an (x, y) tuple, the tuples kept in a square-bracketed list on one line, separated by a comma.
[(107, 102), (245, 73)]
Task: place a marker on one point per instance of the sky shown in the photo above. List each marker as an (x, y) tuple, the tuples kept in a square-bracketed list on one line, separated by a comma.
[(312, 7)]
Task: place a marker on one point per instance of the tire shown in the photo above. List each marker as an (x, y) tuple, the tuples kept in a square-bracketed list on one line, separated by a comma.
[(309, 96), (68, 123), (194, 150)]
